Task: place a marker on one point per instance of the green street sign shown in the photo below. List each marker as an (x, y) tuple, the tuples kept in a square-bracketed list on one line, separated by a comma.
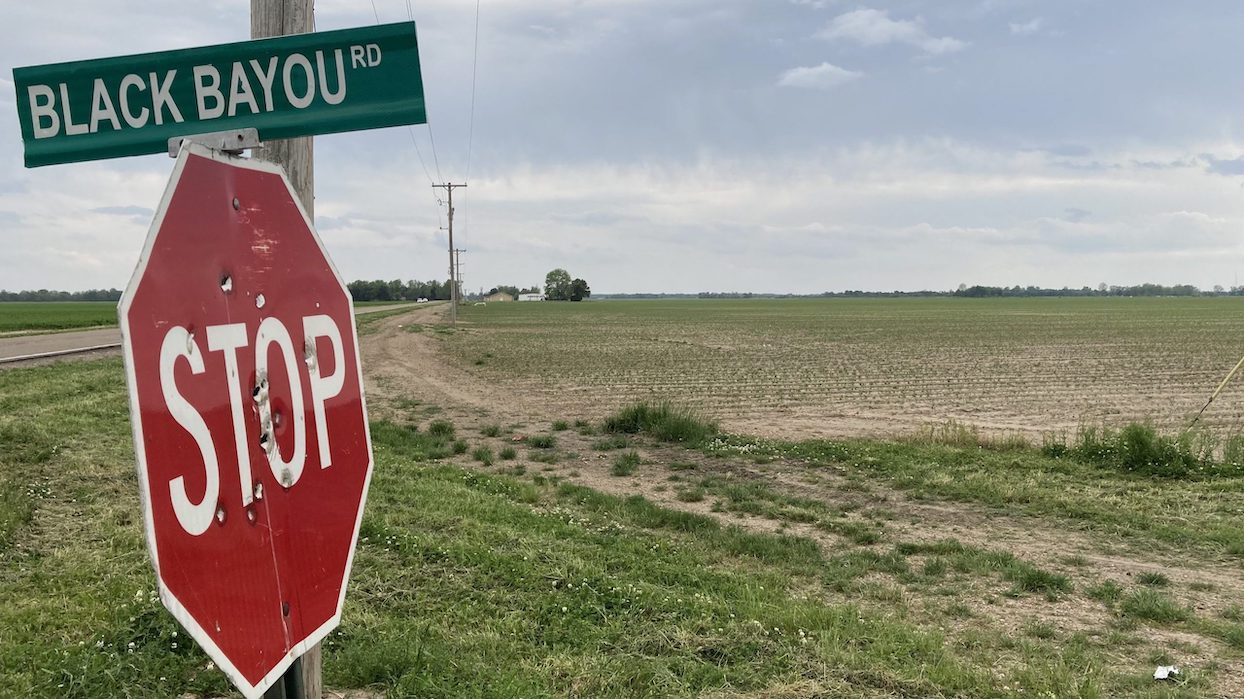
[(287, 86)]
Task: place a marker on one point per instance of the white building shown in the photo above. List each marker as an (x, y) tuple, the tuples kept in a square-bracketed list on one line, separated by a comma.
[(531, 297)]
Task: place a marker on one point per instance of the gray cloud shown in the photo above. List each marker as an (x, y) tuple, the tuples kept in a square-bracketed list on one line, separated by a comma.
[(1230, 167)]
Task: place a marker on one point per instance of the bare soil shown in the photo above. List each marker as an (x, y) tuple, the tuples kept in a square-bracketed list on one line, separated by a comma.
[(409, 377)]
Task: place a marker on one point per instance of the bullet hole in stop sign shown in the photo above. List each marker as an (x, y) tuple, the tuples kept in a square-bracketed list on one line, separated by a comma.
[(260, 301), (226, 283)]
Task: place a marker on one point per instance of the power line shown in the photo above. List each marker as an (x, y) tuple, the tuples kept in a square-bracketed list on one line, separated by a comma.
[(410, 130), (474, 67), (410, 14)]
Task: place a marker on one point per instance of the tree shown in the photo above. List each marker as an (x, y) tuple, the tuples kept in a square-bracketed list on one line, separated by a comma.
[(579, 290), (557, 285)]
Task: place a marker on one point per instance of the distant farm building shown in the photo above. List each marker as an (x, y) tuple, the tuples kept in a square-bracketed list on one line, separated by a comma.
[(531, 297), (499, 297)]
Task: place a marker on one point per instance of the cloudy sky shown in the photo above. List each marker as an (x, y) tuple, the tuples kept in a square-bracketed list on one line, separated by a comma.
[(727, 145)]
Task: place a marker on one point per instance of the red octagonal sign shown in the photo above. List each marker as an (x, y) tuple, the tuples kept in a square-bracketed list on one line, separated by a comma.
[(246, 396)]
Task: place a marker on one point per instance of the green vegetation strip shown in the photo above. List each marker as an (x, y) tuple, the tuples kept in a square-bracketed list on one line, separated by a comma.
[(67, 315), (1203, 514)]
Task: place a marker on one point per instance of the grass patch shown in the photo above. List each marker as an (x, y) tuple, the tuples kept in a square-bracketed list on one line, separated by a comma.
[(624, 464), (1151, 605), (1108, 592), (441, 428), (483, 455), (611, 442), (1191, 512), (544, 457), (663, 422), (1141, 449), (1153, 579), (542, 441), (690, 494), (560, 426), (508, 453), (1025, 577), (490, 430)]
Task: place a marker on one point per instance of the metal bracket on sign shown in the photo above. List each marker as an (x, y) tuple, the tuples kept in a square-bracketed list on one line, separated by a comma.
[(232, 142)]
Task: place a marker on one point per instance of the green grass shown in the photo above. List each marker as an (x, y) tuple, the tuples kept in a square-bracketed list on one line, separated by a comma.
[(611, 442), (542, 441), (1153, 579), (507, 453), (23, 315), (1198, 513), (1140, 449), (475, 585), (663, 421), (1152, 605), (483, 455), (624, 464), (366, 322), (441, 428)]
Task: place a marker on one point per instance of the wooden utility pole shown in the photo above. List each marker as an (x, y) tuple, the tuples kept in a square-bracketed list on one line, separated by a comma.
[(453, 266), (458, 269), (303, 679)]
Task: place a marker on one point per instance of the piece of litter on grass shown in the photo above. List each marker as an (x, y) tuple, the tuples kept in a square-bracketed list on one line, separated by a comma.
[(1165, 672)]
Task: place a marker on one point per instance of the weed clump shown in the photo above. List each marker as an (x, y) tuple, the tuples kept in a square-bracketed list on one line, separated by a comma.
[(625, 463), (1147, 603), (441, 428), (663, 421), (1139, 449), (542, 441)]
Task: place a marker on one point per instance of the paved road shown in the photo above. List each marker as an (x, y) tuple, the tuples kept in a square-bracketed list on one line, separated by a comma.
[(104, 338)]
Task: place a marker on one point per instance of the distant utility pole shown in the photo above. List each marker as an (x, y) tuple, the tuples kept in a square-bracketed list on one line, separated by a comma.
[(303, 679), (453, 266), (458, 269)]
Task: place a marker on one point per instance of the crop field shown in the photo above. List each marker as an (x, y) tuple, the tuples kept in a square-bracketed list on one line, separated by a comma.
[(803, 368), (23, 315)]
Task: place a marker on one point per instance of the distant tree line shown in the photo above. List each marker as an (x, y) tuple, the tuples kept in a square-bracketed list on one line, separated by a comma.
[(978, 291), (47, 295), (398, 290)]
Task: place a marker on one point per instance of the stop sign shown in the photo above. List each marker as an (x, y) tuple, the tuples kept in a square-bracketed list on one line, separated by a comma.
[(246, 397)]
